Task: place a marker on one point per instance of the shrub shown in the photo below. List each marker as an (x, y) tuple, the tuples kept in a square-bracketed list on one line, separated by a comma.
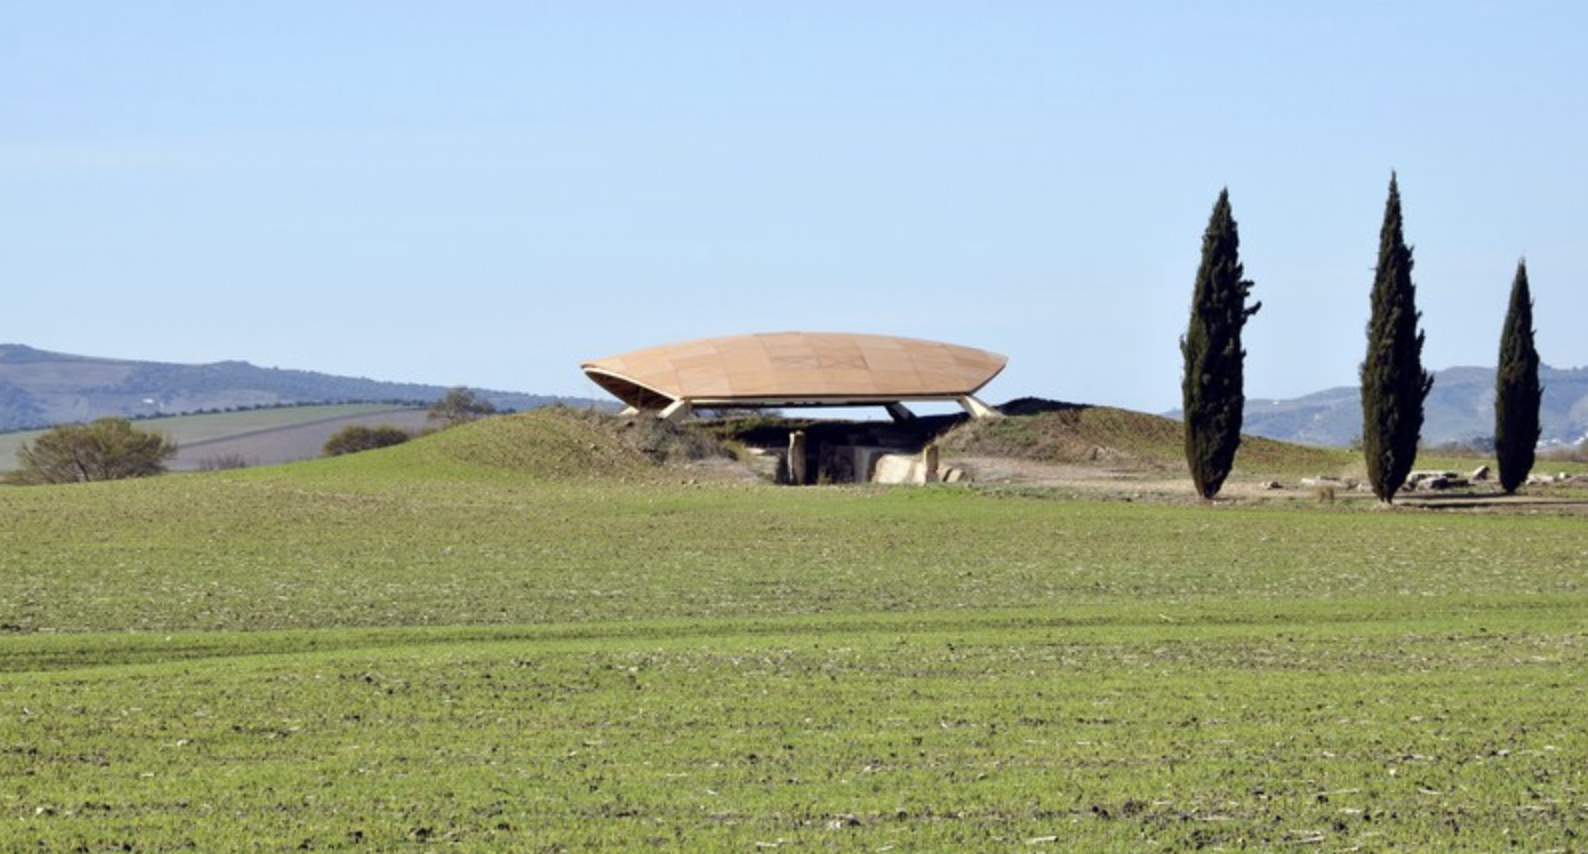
[(221, 462), (107, 449), (355, 438), (460, 406)]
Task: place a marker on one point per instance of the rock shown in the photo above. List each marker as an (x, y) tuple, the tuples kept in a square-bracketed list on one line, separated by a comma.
[(1273, 484), (1480, 473)]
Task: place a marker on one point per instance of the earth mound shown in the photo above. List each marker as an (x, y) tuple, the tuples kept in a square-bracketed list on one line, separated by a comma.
[(1078, 434), (559, 443)]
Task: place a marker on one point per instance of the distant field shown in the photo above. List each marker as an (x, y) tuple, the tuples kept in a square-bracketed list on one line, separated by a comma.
[(520, 635), (259, 436)]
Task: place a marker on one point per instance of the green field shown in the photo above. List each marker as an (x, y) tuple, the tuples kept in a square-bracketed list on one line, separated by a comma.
[(521, 635)]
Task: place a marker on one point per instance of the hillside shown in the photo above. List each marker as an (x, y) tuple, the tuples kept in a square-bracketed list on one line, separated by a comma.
[(554, 443), (40, 388), (1118, 439), (1459, 409)]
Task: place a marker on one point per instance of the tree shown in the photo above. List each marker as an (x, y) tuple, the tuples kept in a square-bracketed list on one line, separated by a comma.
[(356, 437), (460, 406), (107, 449), (1212, 388), (1394, 383), (1517, 394)]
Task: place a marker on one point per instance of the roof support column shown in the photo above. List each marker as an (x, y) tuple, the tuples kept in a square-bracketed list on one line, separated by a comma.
[(976, 408), (899, 412), (678, 410)]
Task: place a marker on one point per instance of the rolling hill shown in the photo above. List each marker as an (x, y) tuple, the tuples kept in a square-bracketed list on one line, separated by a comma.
[(40, 388), (1460, 408)]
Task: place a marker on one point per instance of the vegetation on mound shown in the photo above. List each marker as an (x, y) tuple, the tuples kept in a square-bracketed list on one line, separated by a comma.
[(551, 443), (1078, 434)]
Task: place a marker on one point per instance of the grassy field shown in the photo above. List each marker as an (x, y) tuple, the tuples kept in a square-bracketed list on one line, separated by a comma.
[(522, 635)]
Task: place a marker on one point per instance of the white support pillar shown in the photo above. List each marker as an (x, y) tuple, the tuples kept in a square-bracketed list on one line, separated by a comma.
[(976, 408), (678, 410)]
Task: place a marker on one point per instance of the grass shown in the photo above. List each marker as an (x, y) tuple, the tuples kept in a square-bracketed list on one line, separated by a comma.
[(522, 636)]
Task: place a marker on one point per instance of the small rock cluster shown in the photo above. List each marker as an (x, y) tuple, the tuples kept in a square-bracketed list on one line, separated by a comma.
[(1434, 481), (1561, 479), (1419, 481)]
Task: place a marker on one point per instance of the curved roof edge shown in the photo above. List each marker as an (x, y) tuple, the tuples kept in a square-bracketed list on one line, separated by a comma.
[(794, 369)]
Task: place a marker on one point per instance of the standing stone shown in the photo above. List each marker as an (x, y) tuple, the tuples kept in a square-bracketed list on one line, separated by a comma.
[(796, 458)]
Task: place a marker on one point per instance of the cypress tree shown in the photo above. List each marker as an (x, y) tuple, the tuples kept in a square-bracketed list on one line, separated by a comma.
[(1212, 387), (1394, 383), (1517, 394)]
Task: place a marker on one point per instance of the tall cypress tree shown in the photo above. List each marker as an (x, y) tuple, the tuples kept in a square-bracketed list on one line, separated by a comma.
[(1517, 394), (1394, 383), (1212, 387)]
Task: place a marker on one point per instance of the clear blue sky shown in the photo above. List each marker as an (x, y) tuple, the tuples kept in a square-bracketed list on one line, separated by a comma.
[(487, 193)]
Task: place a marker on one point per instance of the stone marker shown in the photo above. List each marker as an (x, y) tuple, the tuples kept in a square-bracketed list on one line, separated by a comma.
[(796, 457)]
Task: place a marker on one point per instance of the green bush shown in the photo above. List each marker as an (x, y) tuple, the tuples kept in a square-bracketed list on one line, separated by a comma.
[(107, 449), (351, 440)]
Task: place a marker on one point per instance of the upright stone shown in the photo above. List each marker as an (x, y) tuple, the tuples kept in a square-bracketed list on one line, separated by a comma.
[(796, 458)]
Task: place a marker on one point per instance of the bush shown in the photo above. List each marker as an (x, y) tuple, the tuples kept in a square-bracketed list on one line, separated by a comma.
[(222, 462), (460, 406), (108, 449), (351, 440)]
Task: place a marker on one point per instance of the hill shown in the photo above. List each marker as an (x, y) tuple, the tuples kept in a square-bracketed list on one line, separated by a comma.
[(555, 443), (1118, 439), (40, 388), (1459, 409)]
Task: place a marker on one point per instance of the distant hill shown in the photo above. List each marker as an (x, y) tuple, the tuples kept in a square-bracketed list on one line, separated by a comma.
[(40, 388), (1459, 409)]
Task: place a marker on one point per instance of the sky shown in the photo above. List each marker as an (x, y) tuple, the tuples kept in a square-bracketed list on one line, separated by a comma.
[(488, 193)]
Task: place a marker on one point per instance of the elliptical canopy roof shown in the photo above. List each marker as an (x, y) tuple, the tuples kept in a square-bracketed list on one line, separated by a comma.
[(795, 367)]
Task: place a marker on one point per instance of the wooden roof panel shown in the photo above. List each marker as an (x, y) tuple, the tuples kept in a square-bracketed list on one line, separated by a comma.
[(797, 365)]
